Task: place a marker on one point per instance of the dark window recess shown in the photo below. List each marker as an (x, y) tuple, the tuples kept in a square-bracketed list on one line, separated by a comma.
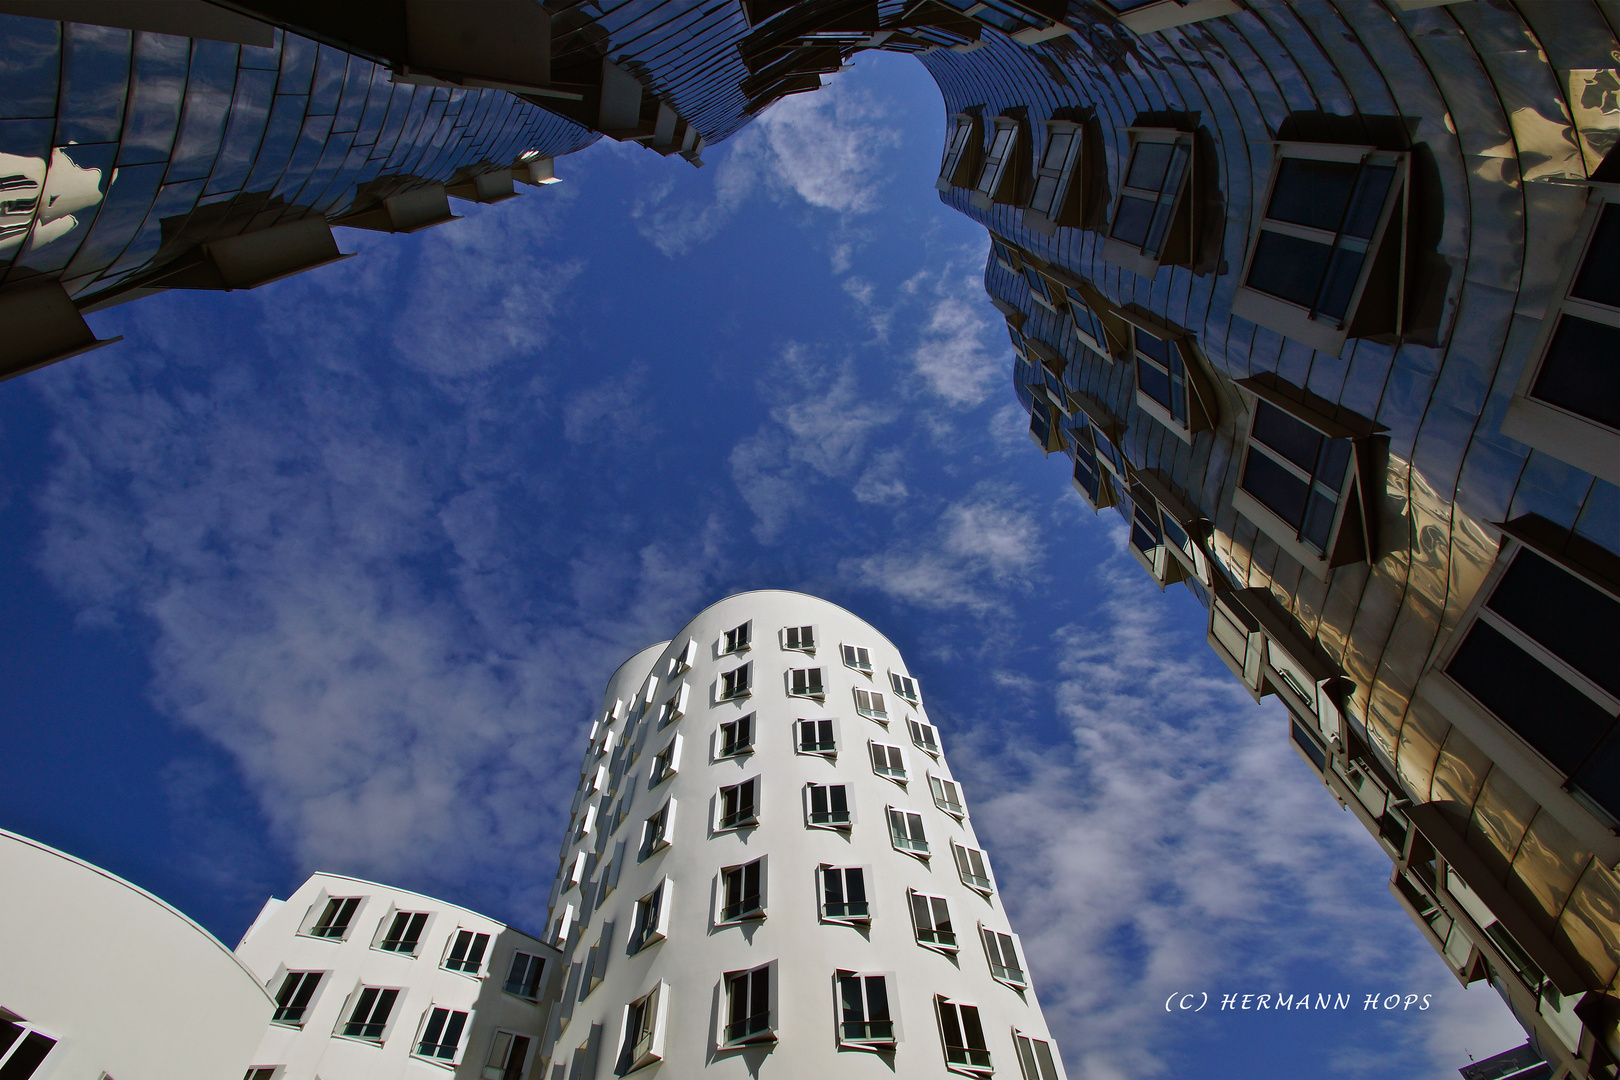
[(865, 1000), (1145, 535), (26, 1057), (737, 736), (1303, 740), (442, 1035), (1305, 496), (807, 682), (829, 805), (1577, 623), (1580, 373), (334, 921), (742, 891), (1160, 373), (844, 893), (467, 954), (964, 1035), (1156, 171), (1599, 279), (748, 1011), (370, 1015), (293, 997), (737, 805), (816, 737), (406, 932), (524, 977)]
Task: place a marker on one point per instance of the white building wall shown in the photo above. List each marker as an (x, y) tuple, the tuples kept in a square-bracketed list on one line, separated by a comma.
[(806, 950), (116, 976), (281, 941)]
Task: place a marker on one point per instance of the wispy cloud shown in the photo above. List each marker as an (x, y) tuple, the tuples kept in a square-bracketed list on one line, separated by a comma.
[(961, 352)]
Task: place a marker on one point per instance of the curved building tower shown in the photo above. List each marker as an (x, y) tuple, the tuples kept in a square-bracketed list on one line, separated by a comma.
[(769, 859)]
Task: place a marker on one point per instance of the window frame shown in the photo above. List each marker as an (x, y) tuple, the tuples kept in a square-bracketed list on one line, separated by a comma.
[(674, 706), (646, 933), (961, 856), (810, 649), (857, 650), (682, 662), (482, 950), (925, 852), (351, 1008), (886, 1044), (958, 809), (962, 160), (816, 691), (652, 843), (1036, 1065), (1352, 535), (1179, 236), (933, 942), (741, 678), (738, 820), (462, 1030), (311, 993), (1577, 440), (1192, 524), (997, 960), (755, 914), (821, 894), (767, 972), (877, 715), (835, 826), (1203, 411), (967, 1068), (508, 1070), (798, 741), (654, 1003), (1001, 179), (1071, 179), (739, 639), (931, 749), (317, 912), (666, 763), (914, 698), (421, 921), (1330, 333), (738, 750), (903, 777), (539, 971)]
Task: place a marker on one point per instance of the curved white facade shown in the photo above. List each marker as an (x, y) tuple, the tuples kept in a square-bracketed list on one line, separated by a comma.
[(101, 978), (663, 977)]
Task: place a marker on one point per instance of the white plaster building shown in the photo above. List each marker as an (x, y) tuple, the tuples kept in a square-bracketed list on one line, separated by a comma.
[(770, 870), (99, 978), (375, 983)]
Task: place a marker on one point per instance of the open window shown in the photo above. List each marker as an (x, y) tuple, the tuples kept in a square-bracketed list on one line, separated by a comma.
[(1062, 192), (843, 895), (1537, 652), (1005, 171), (1568, 398), (1308, 478), (1183, 529), (1327, 258), (508, 1057), (1002, 953), (1045, 423), (645, 1022), (1152, 223), (857, 657), (866, 1020), (1083, 305), (1035, 1057), (748, 998), (817, 736), (931, 922), (806, 683), (737, 806), (828, 806), (963, 1036), (964, 152), (1171, 386)]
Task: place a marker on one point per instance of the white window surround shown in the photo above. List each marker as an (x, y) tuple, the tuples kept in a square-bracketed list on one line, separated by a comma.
[(924, 736), (1333, 255), (1036, 1057), (836, 889), (731, 892), (931, 922), (822, 809), (799, 639), (738, 735), (1153, 220), (1002, 174), (736, 683), (749, 998), (597, 780), (870, 704), (905, 687), (510, 1055), (947, 796), (675, 706), (658, 829), (666, 763), (576, 872), (439, 1035), (737, 806), (819, 740), (962, 1035), (856, 658), (1002, 952), (645, 1044), (738, 639), (865, 1021), (369, 1013), (806, 683), (889, 761), (587, 822), (964, 152), (682, 661), (652, 916), (296, 994), (973, 868), (906, 832), (401, 932), (1559, 429), (524, 975), (332, 918)]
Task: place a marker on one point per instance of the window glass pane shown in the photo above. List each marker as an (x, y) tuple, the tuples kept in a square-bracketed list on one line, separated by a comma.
[(1308, 744), (1057, 148), (1132, 220), (1297, 442), (1550, 714), (1318, 524), (1288, 267), (1599, 778), (1580, 372), (1577, 623), (1312, 193), (1148, 165), (1154, 383), (1599, 279), (1278, 490), (1368, 202), (1343, 270)]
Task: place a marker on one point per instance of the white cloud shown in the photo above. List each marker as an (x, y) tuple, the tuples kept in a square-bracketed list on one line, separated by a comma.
[(882, 481), (960, 351), (612, 403)]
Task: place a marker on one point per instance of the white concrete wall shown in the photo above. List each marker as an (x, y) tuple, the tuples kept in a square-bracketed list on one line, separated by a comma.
[(806, 950), (120, 978), (278, 942)]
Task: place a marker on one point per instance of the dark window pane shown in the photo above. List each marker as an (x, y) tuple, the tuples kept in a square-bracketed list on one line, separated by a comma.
[(1551, 715), (1318, 525), (1154, 383), (1308, 744), (1148, 165), (1599, 279), (1278, 490), (1343, 271), (1298, 442), (1599, 778), (1045, 189), (1334, 459), (1582, 370), (1288, 267), (1312, 193), (1368, 202), (26, 1058), (1149, 345), (1132, 220), (1057, 148), (1575, 622)]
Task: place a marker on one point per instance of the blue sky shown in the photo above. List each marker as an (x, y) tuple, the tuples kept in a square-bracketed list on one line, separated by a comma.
[(329, 575)]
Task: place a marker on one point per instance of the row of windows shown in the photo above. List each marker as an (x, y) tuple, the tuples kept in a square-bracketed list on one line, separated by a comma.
[(370, 1013), (812, 683), (401, 933), (866, 1020)]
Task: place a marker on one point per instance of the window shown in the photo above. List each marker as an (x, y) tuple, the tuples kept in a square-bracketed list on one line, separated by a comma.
[(523, 978), (888, 761), (644, 1023), (564, 925), (906, 831), (508, 1053), (857, 657), (748, 1006), (1054, 200), (665, 763), (683, 660), (805, 682), (1035, 1057), (970, 864), (800, 638), (737, 640), (1003, 957), (292, 1000), (869, 703), (1313, 258), (22, 1049), (467, 952), (587, 822), (737, 736), (1039, 289), (1168, 385), (255, 1072), (1000, 177), (738, 805), (441, 1036), (843, 894), (963, 1036), (658, 830), (1302, 483), (596, 962), (904, 686), (675, 707), (947, 796), (1148, 16), (652, 917), (369, 1017), (576, 871), (594, 782), (335, 919), (1153, 221), (741, 891), (1043, 432), (1568, 399), (735, 683), (931, 918), (827, 806), (1542, 646), (816, 737), (1007, 256), (864, 1010), (405, 932), (964, 148), (924, 736)]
